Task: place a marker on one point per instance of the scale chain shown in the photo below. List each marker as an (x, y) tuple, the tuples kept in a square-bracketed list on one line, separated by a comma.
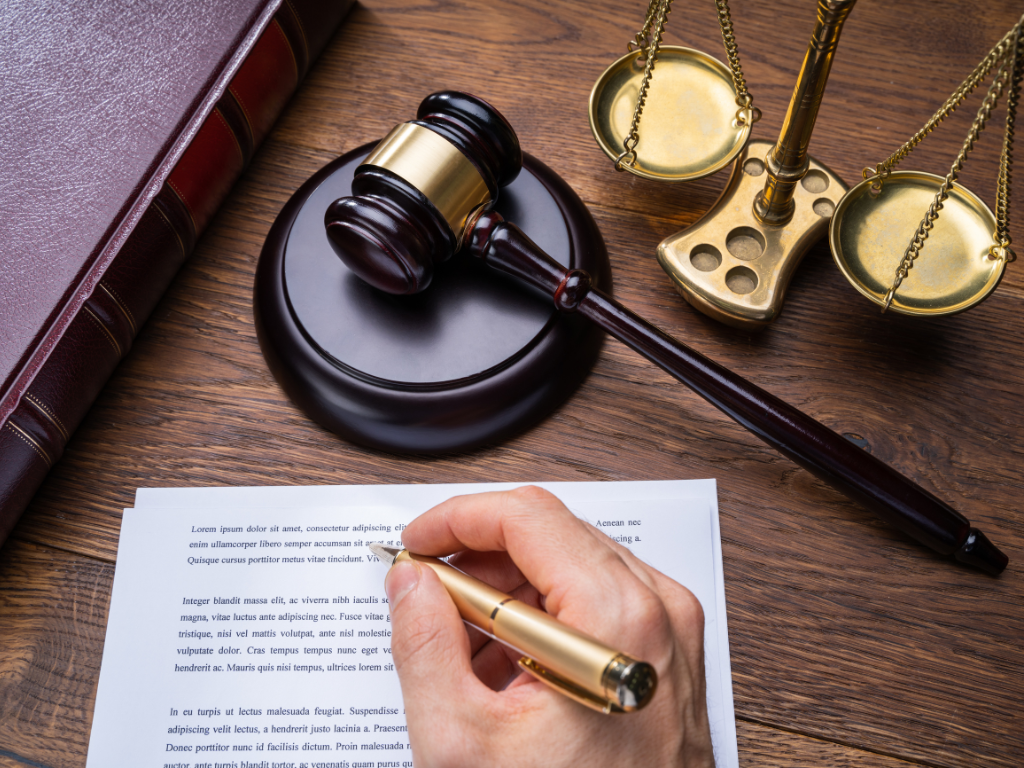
[(648, 41), (747, 113), (1003, 184), (662, 8), (641, 39), (995, 91), (1007, 53), (967, 87)]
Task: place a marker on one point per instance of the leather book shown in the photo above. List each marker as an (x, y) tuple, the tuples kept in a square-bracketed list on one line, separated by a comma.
[(124, 127)]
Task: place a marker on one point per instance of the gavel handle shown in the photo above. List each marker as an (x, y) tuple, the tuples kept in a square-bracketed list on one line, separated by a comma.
[(853, 471)]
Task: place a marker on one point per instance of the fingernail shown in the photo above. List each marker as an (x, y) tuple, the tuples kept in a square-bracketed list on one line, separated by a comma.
[(400, 581)]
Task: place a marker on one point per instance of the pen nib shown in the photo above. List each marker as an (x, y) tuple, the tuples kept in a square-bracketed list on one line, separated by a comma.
[(386, 554)]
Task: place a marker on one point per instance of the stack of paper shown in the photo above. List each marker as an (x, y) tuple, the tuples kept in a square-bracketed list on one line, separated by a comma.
[(248, 626)]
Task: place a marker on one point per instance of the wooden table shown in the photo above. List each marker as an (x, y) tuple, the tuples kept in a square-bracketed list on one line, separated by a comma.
[(851, 645)]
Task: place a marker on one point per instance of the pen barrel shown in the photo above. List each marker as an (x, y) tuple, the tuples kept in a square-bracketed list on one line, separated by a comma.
[(475, 600), (569, 654), (619, 680)]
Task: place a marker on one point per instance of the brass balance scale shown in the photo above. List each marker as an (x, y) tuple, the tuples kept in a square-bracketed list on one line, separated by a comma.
[(670, 113)]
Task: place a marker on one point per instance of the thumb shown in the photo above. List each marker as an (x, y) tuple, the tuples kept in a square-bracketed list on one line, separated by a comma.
[(429, 643)]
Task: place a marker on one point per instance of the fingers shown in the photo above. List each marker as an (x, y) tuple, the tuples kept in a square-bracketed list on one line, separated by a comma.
[(496, 665), (585, 582), (428, 642), (527, 542), (685, 613), (668, 589), (524, 592), (494, 568), (425, 640), (684, 609), (534, 527)]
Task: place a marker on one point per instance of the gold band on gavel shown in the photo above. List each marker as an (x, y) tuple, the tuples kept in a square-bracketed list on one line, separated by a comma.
[(436, 168)]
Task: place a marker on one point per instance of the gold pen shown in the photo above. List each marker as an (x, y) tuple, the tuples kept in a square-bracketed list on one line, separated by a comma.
[(559, 656)]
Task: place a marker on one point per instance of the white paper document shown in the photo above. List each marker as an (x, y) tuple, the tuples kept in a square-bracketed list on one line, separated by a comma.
[(249, 627)]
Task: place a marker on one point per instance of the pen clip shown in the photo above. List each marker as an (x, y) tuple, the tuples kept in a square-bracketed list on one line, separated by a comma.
[(574, 692)]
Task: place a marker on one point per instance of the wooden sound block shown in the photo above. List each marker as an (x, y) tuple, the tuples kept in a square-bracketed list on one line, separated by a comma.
[(472, 360)]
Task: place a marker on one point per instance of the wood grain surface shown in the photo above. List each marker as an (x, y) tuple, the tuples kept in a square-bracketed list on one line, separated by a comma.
[(851, 645)]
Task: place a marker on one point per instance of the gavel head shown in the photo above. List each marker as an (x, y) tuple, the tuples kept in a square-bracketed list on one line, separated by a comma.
[(415, 193)]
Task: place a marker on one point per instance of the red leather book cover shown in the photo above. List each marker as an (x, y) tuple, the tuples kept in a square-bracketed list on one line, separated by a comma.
[(124, 126)]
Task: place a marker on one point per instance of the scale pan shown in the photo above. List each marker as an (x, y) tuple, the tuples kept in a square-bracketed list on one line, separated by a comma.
[(953, 272), (688, 129)]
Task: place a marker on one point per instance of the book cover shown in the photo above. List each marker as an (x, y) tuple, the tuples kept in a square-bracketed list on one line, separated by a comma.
[(125, 126)]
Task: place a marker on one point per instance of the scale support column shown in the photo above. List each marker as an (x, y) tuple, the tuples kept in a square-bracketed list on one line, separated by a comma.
[(787, 163), (736, 262)]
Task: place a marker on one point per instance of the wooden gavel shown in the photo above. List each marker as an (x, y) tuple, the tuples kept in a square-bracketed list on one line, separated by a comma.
[(424, 193)]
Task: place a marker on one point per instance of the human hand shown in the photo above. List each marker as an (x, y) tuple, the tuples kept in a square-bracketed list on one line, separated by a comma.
[(466, 703)]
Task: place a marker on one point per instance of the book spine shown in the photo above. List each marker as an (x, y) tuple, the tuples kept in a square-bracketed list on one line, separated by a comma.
[(34, 436)]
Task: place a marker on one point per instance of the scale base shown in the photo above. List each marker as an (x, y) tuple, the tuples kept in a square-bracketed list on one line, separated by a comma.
[(470, 361), (736, 269)]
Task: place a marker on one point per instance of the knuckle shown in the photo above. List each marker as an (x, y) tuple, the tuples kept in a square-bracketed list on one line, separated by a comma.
[(690, 610), (532, 495), (648, 613)]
